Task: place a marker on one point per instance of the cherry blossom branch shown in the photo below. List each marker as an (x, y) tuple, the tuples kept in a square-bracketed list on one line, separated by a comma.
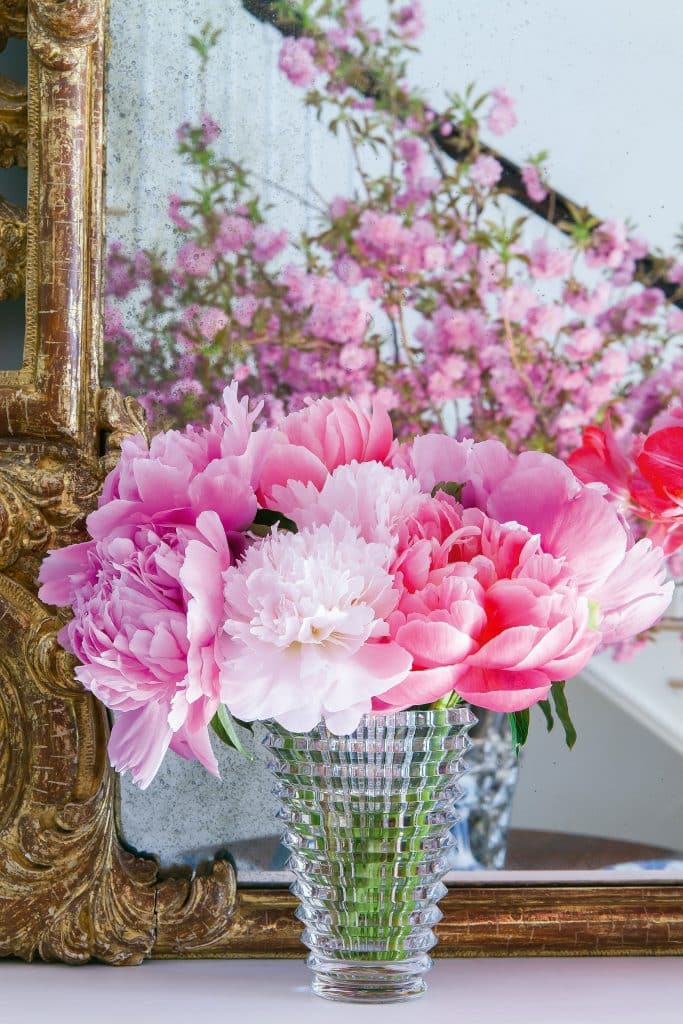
[(556, 208)]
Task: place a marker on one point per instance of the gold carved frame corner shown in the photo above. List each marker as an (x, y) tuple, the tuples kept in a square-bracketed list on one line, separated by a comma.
[(69, 890)]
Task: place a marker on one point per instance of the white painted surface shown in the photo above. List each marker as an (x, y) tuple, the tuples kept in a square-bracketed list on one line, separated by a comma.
[(624, 776), (525, 991)]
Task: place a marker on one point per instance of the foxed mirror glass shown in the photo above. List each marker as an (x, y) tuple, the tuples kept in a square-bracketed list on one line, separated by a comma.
[(13, 187), (594, 85)]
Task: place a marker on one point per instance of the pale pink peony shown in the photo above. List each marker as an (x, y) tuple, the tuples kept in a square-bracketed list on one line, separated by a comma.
[(147, 590), (323, 435), (307, 631), (373, 497)]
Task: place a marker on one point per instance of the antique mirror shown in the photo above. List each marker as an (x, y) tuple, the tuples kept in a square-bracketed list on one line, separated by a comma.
[(611, 803), (560, 850)]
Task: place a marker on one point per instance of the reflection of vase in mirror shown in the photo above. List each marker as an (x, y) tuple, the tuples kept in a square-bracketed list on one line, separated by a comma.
[(488, 790)]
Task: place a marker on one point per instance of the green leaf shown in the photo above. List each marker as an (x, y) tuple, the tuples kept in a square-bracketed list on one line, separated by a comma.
[(562, 709), (225, 727), (265, 519), (519, 723), (448, 487), (545, 707)]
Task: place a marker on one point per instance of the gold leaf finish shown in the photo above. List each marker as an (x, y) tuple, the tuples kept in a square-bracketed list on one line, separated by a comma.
[(12, 20), (13, 121), (12, 249), (68, 889)]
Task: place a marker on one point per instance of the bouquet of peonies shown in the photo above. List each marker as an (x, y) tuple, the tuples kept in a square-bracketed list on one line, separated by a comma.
[(321, 571)]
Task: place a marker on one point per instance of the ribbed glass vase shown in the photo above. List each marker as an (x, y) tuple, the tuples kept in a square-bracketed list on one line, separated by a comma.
[(368, 825)]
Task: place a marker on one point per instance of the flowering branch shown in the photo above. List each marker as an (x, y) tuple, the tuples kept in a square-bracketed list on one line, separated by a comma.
[(456, 142)]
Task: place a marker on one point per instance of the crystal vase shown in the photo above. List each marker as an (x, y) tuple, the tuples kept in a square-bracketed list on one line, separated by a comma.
[(368, 822)]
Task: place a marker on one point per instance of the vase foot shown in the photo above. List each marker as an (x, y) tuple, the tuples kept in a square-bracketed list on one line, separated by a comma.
[(374, 981)]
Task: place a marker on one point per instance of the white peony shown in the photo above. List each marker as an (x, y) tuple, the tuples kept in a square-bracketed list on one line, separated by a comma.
[(306, 627)]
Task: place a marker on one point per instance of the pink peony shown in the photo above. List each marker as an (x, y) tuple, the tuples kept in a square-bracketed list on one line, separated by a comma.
[(576, 523), (306, 622), (146, 590), (484, 610), (323, 435)]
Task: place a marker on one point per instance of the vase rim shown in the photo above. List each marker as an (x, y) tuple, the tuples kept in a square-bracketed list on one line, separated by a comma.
[(461, 715)]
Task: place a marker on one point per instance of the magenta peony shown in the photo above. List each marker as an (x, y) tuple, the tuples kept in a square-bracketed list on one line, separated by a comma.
[(484, 611), (147, 590)]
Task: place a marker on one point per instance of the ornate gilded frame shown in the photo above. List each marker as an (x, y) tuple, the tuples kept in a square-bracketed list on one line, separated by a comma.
[(69, 890)]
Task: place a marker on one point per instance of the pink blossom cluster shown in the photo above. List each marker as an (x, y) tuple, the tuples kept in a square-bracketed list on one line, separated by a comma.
[(412, 288), (393, 576)]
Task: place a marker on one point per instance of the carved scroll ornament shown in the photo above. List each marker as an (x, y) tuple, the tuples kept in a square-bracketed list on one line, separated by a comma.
[(13, 122), (12, 250), (12, 20)]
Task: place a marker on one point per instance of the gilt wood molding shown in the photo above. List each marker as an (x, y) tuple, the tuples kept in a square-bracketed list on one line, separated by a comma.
[(49, 397), (68, 889), (506, 920)]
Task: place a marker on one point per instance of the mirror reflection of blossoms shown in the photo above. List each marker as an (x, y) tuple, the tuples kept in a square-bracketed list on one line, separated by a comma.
[(423, 286)]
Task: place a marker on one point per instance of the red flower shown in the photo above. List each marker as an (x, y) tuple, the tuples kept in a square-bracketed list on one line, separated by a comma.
[(648, 480)]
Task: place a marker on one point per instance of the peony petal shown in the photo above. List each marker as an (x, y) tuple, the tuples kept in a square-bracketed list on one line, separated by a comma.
[(289, 462), (433, 644), (346, 721), (635, 594), (421, 686), (503, 691), (139, 740), (64, 571), (508, 648), (374, 668)]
